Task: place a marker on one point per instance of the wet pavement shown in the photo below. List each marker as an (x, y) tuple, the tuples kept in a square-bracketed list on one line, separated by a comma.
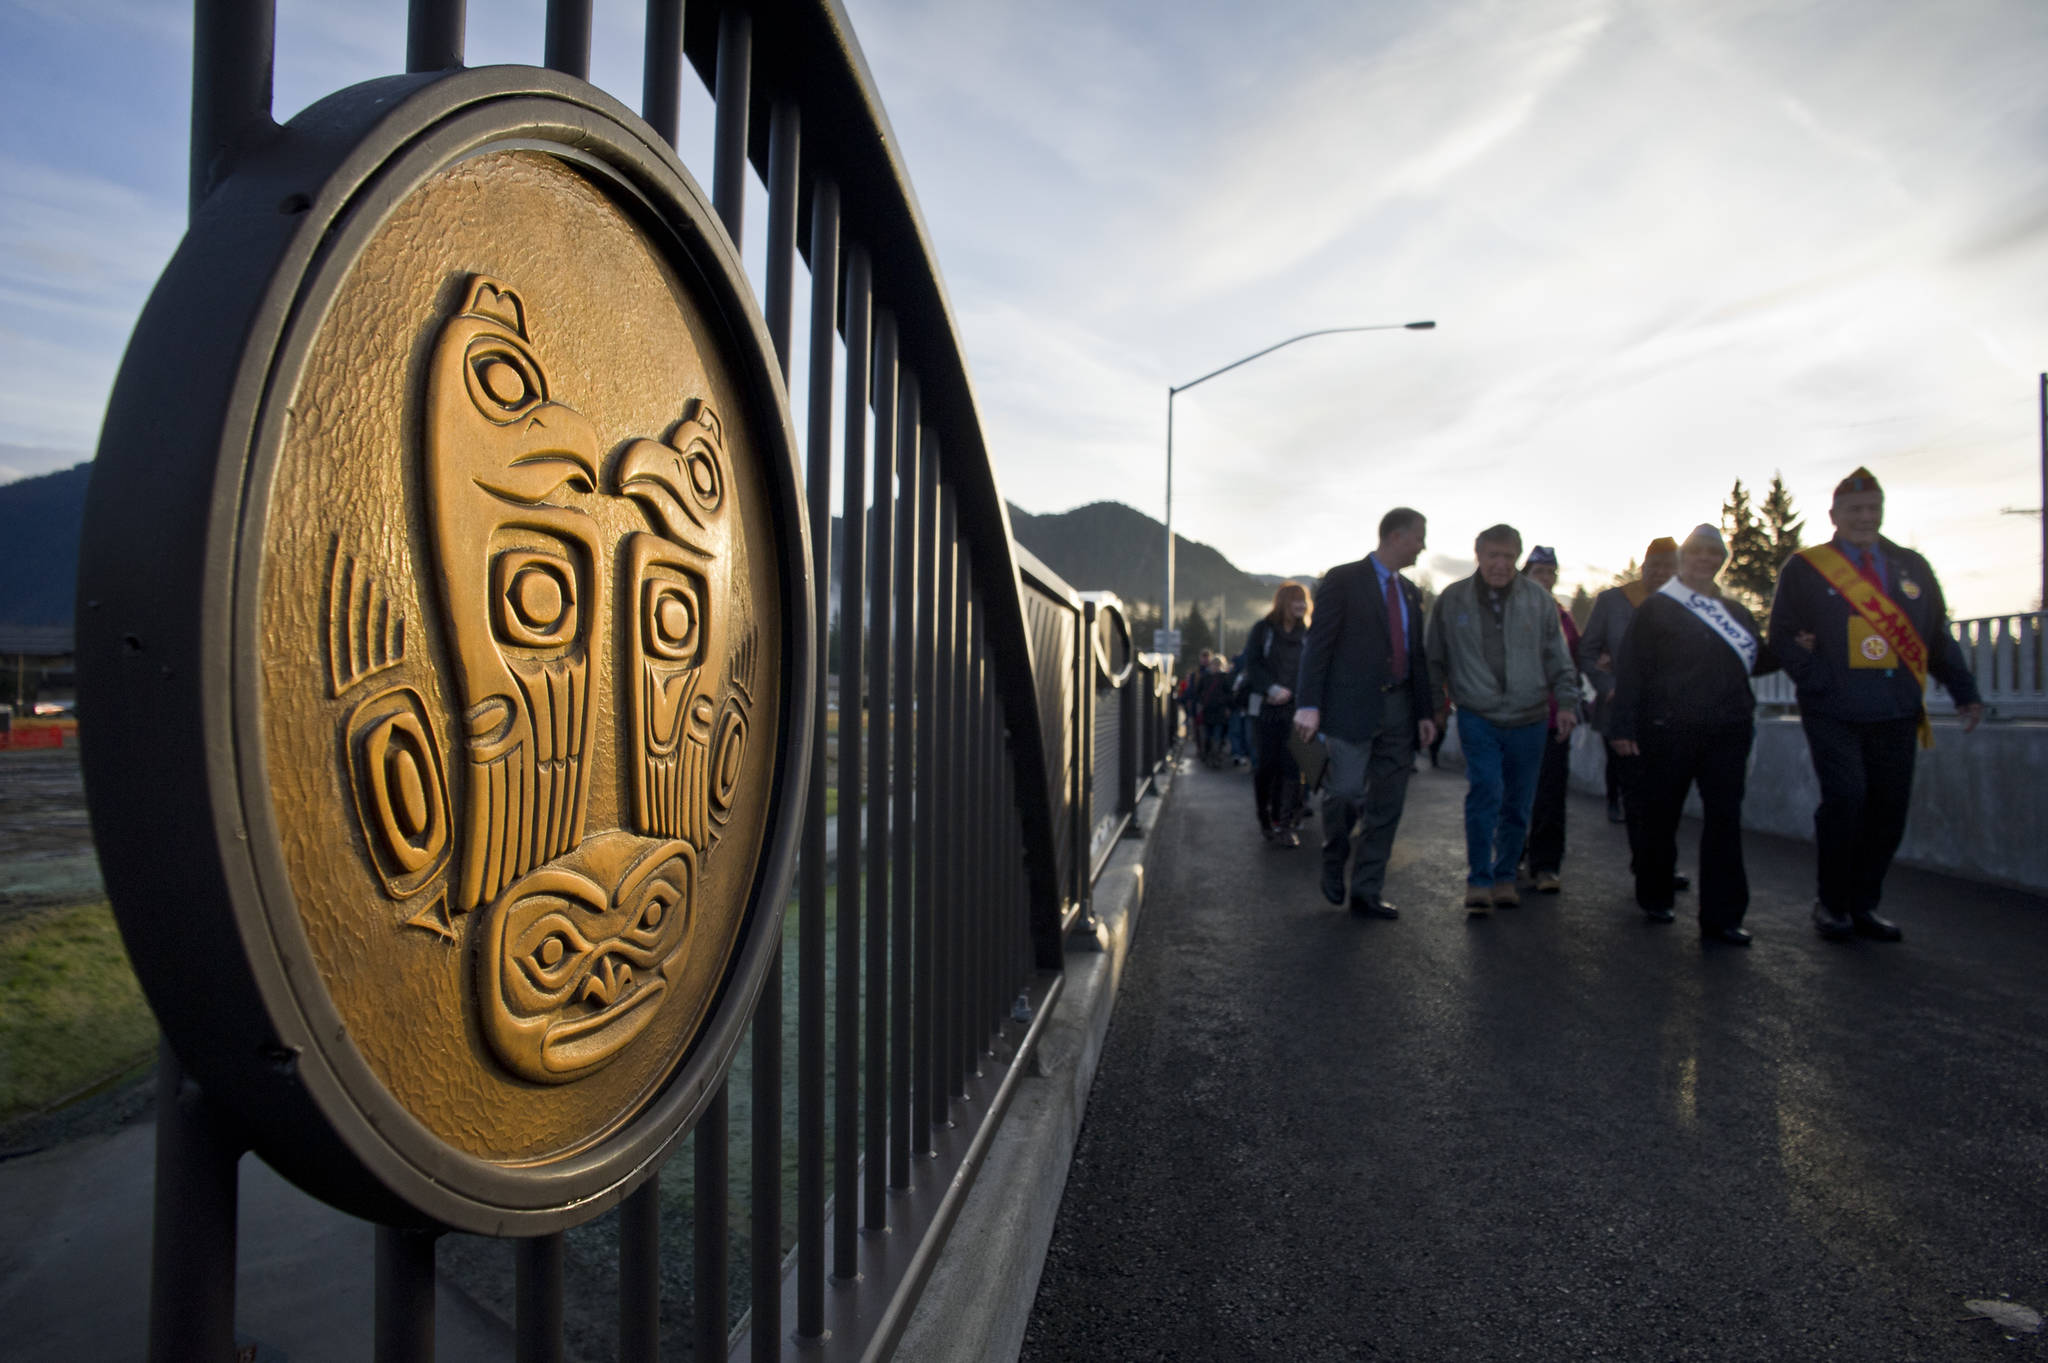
[(1559, 1133)]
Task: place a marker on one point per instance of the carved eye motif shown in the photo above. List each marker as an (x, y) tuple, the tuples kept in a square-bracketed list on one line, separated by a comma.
[(706, 479), (534, 601), (550, 952), (672, 620), (728, 752), (657, 909), (503, 383)]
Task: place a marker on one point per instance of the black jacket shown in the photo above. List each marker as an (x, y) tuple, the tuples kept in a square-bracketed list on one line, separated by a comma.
[(1677, 673), (1271, 656), (1344, 660), (1605, 629), (1827, 685)]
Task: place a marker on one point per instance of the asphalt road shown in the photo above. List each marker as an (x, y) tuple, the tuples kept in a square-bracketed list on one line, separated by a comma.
[(1560, 1133)]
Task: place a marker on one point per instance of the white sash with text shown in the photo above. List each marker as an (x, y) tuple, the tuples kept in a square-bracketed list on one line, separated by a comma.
[(1708, 609)]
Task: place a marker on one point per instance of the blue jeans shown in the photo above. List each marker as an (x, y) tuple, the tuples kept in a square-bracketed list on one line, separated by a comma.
[(1502, 766)]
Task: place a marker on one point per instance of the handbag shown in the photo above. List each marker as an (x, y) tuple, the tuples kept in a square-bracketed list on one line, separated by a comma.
[(1311, 756)]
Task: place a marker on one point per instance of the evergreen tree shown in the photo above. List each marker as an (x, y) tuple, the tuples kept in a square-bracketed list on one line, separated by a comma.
[(1582, 606), (1751, 570), (1782, 529), (1628, 574), (1195, 635)]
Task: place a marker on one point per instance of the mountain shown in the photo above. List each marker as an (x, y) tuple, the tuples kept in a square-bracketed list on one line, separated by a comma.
[(1107, 546), (1104, 546), (39, 528)]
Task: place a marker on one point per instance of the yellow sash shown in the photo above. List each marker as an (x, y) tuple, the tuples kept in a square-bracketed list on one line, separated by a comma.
[(1885, 631)]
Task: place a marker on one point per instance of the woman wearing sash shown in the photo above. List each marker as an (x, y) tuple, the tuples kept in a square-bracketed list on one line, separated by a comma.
[(1682, 703)]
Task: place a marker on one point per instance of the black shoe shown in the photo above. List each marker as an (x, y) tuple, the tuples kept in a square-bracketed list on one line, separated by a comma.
[(1333, 883), (1614, 814), (1663, 915), (1834, 926), (1734, 937), (1877, 929), (1372, 906), (1679, 883), (1285, 838)]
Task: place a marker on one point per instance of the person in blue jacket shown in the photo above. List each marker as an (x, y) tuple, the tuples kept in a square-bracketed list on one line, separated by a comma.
[(1859, 623)]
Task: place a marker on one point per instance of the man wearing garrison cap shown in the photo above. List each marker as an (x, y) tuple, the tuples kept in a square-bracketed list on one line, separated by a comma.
[(1600, 655), (1860, 624)]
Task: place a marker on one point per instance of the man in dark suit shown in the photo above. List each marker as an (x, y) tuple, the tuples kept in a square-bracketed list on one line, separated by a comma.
[(1364, 687)]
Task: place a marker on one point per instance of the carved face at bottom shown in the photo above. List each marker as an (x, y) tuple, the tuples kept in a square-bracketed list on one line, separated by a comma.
[(574, 956)]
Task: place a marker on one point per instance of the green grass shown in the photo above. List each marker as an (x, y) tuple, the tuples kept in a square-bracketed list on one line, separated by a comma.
[(71, 1014)]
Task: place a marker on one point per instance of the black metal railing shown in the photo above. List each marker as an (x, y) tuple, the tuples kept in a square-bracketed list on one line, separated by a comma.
[(995, 733)]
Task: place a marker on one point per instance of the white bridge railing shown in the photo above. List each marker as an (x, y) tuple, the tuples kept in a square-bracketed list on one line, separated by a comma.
[(2005, 653)]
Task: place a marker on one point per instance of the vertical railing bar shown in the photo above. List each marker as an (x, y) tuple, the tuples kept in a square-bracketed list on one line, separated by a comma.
[(192, 1250), (959, 824), (732, 81), (984, 844), (880, 561), (764, 1207), (992, 1000), (852, 571), (810, 969), (708, 1223), (729, 134), (903, 766), (434, 33), (404, 1311), (661, 70), (537, 1299), (1084, 764), (970, 827), (943, 795), (234, 51), (640, 1273), (568, 38), (920, 1123)]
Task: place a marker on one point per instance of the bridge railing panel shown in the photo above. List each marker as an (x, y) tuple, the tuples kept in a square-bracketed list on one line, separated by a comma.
[(927, 942)]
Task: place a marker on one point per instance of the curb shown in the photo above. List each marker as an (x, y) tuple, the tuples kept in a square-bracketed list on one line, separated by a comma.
[(979, 1299)]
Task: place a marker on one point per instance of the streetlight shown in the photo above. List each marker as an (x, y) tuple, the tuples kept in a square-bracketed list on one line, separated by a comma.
[(1167, 622)]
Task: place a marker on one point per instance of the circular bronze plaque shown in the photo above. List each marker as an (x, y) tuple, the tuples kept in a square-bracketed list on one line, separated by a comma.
[(517, 636)]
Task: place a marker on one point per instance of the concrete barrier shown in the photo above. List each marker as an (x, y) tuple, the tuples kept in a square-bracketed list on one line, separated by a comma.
[(1978, 805)]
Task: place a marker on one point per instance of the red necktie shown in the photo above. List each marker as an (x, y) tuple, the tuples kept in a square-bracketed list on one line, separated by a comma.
[(1397, 634), (1868, 563)]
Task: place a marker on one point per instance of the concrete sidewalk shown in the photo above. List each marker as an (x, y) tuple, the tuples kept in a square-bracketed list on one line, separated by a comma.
[(75, 1225)]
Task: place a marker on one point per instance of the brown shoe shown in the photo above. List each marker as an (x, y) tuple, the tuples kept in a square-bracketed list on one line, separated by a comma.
[(1504, 896), (1548, 883), (1478, 901)]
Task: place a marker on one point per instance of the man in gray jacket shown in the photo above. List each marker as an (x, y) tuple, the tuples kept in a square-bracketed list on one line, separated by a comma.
[(1495, 641)]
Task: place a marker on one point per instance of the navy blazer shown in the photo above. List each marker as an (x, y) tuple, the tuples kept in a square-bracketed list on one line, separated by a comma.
[(1344, 660)]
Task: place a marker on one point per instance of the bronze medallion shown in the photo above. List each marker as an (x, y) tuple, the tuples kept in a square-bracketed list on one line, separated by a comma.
[(518, 575)]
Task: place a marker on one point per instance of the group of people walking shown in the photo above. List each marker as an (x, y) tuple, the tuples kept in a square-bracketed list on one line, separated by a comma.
[(1365, 673)]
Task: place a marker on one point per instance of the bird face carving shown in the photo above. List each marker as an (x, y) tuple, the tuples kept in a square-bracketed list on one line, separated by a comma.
[(579, 938), (504, 467)]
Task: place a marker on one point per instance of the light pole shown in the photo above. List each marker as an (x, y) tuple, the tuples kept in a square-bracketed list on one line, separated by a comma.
[(1167, 611)]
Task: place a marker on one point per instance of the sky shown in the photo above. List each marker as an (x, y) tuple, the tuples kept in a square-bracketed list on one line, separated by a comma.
[(1667, 243)]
